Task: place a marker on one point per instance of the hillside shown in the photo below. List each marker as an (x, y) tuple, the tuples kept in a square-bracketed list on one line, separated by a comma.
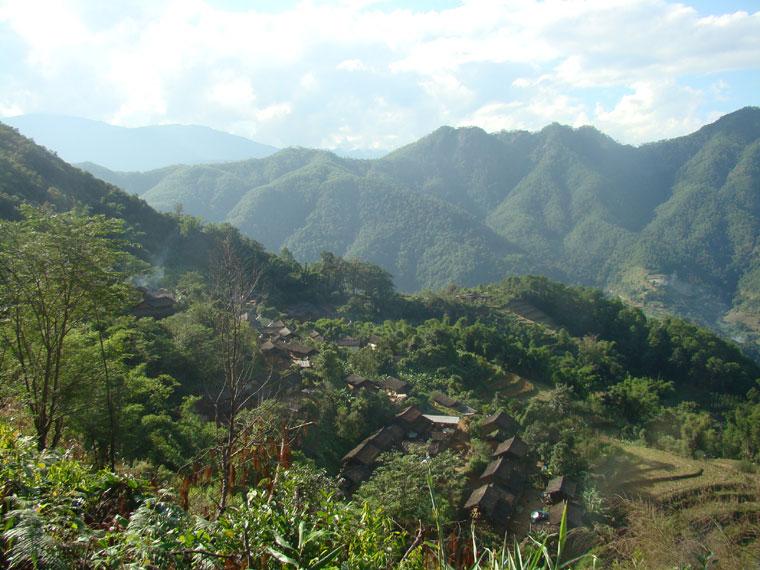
[(144, 148), (171, 244), (672, 226)]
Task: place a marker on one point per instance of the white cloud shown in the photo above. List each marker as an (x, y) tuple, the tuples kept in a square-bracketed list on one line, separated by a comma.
[(352, 65), (274, 112), (284, 74), (655, 110), (235, 93), (309, 81)]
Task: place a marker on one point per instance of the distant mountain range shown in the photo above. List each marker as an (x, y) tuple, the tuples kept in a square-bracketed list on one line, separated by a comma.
[(78, 140), (144, 148), (673, 225)]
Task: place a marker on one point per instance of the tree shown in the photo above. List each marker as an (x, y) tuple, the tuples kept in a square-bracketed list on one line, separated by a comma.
[(401, 486), (242, 383), (58, 272)]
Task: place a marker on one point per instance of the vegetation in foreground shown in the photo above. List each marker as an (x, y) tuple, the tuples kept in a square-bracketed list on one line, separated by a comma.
[(177, 442)]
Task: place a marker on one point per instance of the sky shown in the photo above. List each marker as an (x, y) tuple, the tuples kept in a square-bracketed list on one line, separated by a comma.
[(369, 74)]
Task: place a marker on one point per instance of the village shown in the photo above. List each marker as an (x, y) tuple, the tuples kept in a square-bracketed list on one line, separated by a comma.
[(505, 495)]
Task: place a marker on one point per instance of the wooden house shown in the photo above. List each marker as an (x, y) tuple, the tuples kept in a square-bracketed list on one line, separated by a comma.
[(356, 382), (349, 343), (498, 426), (413, 422), (575, 514), (505, 472), (514, 448), (395, 386), (444, 400), (492, 503), (363, 454), (560, 489), (157, 304), (387, 437)]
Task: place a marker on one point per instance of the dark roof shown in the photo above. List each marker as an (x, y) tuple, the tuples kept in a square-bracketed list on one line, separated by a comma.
[(395, 385), (444, 400), (563, 485), (269, 346), (364, 453), (513, 446), (374, 339), (299, 349), (409, 415), (494, 502), (357, 473), (574, 514), (387, 437), (503, 469), (499, 420), (355, 381)]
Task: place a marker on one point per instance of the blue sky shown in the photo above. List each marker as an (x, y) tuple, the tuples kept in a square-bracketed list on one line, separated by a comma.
[(379, 74)]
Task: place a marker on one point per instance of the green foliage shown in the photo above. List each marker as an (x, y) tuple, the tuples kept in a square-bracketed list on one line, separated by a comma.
[(402, 479), (635, 400)]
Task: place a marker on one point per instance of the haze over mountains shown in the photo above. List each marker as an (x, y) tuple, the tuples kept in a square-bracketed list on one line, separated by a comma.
[(144, 148)]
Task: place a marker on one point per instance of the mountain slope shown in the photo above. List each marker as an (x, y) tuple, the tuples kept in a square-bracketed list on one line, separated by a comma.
[(672, 225), (31, 174), (144, 148)]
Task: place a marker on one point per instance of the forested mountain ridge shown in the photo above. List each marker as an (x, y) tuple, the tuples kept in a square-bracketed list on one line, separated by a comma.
[(171, 244), (671, 225)]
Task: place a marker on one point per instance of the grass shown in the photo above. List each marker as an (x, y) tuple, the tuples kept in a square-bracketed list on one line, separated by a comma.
[(680, 513)]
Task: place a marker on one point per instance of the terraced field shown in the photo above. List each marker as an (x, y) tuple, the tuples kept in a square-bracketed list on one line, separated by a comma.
[(704, 509)]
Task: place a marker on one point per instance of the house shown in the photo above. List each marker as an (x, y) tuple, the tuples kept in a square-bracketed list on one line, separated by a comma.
[(394, 386), (506, 473), (575, 514), (269, 348), (356, 382), (284, 332), (296, 350), (157, 304), (363, 454), (492, 503), (560, 489), (387, 437), (349, 343), (514, 447), (374, 341), (413, 422), (272, 330), (353, 476), (440, 440), (444, 400), (499, 426), (442, 422), (315, 336)]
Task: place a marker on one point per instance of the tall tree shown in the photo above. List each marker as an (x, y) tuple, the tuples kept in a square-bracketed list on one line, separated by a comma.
[(58, 271), (234, 281)]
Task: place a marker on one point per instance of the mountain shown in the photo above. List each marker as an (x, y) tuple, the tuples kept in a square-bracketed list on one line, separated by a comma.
[(174, 245), (144, 148), (671, 225)]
